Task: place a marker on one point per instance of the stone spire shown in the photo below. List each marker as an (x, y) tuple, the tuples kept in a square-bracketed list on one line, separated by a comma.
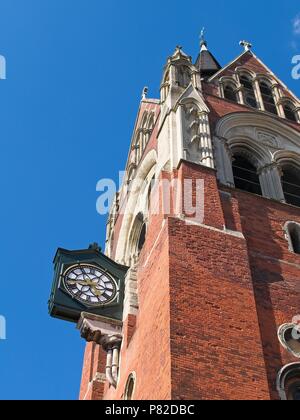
[(203, 43), (206, 63)]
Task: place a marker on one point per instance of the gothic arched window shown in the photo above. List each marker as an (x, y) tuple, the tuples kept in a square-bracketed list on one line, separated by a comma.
[(245, 175), (291, 184), (268, 98), (142, 238), (249, 93), (290, 112), (230, 93), (137, 237)]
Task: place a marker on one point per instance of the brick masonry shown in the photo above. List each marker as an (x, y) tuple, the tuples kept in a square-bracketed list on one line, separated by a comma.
[(211, 296)]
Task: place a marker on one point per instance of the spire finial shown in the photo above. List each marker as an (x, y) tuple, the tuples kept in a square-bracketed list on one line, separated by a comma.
[(203, 43), (145, 93), (247, 45)]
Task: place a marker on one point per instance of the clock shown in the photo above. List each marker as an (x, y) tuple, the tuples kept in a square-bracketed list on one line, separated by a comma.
[(87, 281), (90, 285)]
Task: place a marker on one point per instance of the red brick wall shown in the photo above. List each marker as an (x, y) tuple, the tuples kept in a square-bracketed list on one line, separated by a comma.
[(216, 347), (240, 291), (94, 363), (275, 274), (211, 302), (148, 352)]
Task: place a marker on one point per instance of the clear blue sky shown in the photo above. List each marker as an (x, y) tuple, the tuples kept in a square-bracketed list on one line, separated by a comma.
[(75, 72)]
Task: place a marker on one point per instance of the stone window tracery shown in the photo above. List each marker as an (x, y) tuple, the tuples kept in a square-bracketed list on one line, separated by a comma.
[(259, 91)]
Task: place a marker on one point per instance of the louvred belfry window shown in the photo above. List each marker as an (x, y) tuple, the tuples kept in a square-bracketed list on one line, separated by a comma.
[(249, 94), (245, 176), (229, 93), (268, 98), (291, 185), (290, 112)]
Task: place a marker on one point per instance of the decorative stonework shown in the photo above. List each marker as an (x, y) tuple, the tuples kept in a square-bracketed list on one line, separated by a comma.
[(264, 141), (108, 334), (131, 304), (196, 135), (289, 338), (99, 330), (268, 139)]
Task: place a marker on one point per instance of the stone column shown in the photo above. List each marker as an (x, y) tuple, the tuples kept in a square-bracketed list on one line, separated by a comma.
[(240, 94), (207, 157), (297, 111), (224, 161), (270, 180), (258, 95), (277, 97)]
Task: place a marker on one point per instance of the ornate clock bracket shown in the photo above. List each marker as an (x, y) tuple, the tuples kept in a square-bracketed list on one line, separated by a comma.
[(108, 334)]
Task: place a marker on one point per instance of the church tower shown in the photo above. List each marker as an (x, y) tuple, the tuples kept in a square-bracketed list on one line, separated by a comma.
[(208, 222)]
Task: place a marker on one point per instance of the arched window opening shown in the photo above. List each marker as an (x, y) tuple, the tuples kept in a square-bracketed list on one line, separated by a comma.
[(142, 238), (130, 388), (137, 238), (245, 176), (290, 112), (295, 239), (293, 236), (291, 185), (144, 120), (249, 94), (268, 98), (149, 196), (184, 76), (288, 382), (151, 121), (230, 94)]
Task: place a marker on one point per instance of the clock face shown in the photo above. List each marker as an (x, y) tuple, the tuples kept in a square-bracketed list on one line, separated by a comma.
[(90, 285)]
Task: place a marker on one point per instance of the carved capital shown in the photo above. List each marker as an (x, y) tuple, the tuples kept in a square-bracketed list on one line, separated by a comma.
[(102, 331), (267, 168)]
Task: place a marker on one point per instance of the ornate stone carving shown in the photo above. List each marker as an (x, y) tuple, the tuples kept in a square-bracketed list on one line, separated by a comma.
[(197, 137), (108, 334), (268, 139)]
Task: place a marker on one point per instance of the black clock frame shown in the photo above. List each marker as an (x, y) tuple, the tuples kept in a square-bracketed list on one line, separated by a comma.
[(63, 305)]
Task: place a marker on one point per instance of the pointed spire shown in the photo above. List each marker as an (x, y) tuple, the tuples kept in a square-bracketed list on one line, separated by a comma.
[(206, 62), (203, 43), (179, 54), (145, 93)]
